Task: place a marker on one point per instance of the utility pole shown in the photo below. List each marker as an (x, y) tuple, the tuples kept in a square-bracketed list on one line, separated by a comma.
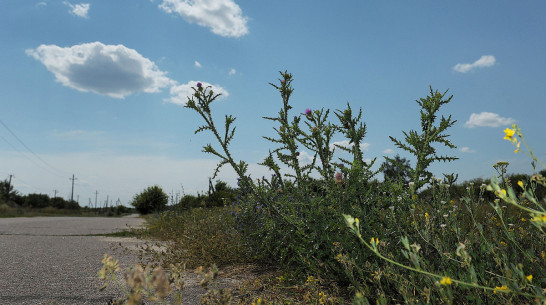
[(72, 195), (96, 193), (55, 194)]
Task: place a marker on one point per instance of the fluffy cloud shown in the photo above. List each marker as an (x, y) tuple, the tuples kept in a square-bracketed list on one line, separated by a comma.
[(180, 93), (223, 17), (388, 151), (79, 10), (197, 64), (467, 150), (304, 157), (345, 143), (232, 72), (112, 70), (484, 61), (487, 119)]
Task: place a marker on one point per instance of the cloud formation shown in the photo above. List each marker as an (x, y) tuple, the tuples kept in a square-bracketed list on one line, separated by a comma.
[(79, 10), (180, 93), (388, 151), (487, 119), (484, 61), (305, 158), (111, 70), (222, 17), (345, 143), (467, 150), (232, 72), (197, 64)]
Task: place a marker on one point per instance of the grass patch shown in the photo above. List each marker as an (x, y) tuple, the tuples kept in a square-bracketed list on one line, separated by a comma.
[(196, 237)]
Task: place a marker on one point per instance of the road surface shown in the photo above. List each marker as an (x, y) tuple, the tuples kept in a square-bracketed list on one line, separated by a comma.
[(54, 260)]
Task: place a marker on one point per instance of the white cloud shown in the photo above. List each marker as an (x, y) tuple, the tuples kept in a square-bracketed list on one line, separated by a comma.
[(388, 151), (484, 61), (40, 4), (112, 70), (223, 17), (197, 64), (180, 93), (467, 150), (304, 157), (80, 10), (487, 119), (345, 143), (232, 72)]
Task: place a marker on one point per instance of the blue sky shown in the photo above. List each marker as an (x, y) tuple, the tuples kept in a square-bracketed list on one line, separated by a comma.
[(96, 88)]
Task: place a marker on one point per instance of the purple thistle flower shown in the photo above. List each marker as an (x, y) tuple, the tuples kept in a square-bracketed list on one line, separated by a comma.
[(308, 111), (341, 165), (199, 85)]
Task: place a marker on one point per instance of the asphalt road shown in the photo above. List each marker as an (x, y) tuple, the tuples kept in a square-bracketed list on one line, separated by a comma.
[(53, 260)]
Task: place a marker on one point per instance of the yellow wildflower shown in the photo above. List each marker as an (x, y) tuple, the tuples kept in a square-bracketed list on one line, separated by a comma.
[(445, 281), (509, 133), (529, 277), (427, 216), (501, 288)]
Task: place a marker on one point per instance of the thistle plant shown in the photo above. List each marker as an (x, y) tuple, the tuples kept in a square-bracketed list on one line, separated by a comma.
[(201, 102), (420, 144), (296, 220)]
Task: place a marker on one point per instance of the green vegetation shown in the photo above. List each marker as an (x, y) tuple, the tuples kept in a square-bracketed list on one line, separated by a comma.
[(12, 204), (336, 234), (152, 199)]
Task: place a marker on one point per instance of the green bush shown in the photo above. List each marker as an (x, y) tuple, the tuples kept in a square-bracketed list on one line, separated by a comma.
[(151, 200), (296, 221)]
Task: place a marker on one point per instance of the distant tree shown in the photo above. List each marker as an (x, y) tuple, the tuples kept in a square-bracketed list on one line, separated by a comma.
[(397, 169), (7, 193), (152, 199), (58, 203), (36, 200), (221, 194)]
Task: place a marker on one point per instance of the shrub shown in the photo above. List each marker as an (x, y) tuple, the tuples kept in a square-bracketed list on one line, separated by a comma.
[(151, 200), (291, 220)]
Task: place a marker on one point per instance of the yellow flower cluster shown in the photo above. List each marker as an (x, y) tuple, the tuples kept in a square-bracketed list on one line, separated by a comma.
[(509, 135), (445, 281), (502, 288), (539, 219)]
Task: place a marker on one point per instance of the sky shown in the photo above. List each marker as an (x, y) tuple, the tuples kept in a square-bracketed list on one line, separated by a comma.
[(96, 89)]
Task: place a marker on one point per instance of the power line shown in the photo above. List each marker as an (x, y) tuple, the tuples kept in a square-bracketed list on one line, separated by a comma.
[(32, 160), (28, 148)]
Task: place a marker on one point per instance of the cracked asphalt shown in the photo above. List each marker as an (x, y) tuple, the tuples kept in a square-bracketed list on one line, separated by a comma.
[(53, 260)]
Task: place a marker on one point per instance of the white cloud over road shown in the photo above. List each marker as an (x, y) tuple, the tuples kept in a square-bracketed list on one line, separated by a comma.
[(487, 119), (222, 17), (111, 70), (80, 10), (180, 93), (484, 61)]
